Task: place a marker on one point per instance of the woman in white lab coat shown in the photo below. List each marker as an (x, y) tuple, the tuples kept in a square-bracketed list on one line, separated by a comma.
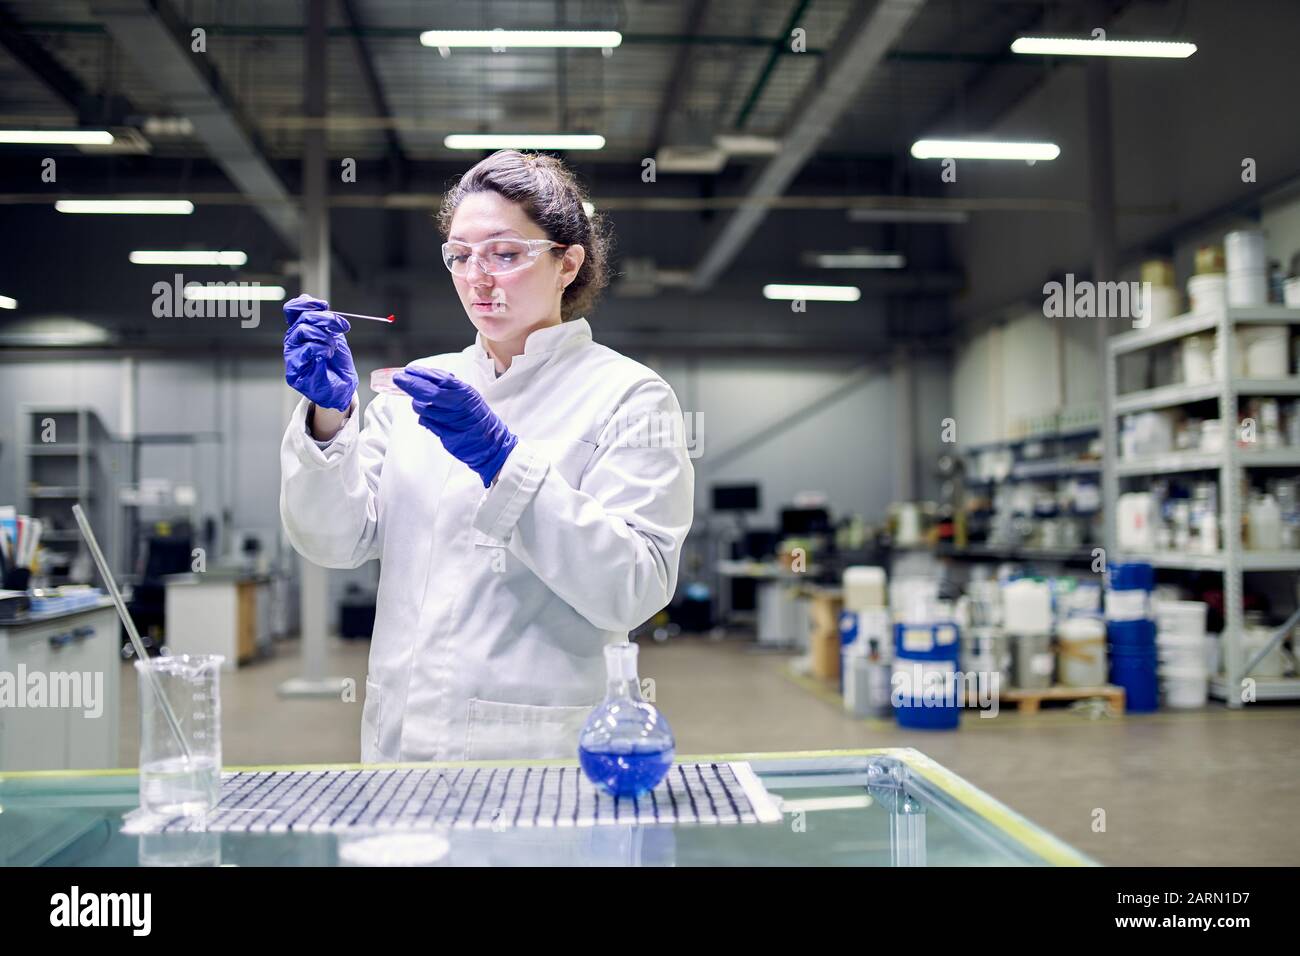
[(527, 499)]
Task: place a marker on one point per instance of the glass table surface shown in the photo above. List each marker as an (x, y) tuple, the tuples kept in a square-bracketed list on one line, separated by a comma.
[(884, 807)]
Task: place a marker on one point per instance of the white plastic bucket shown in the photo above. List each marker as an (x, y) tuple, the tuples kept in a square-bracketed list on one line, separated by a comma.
[(1185, 688), (1207, 293), (1180, 618), (1181, 651), (1264, 350), (1161, 304)]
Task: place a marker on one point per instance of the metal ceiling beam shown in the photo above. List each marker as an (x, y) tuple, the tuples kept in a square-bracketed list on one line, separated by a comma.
[(57, 79), (678, 75), (417, 202), (992, 90), (159, 44), (370, 77), (864, 43), (779, 46)]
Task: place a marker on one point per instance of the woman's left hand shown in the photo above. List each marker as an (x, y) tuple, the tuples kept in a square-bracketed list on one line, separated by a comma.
[(455, 412)]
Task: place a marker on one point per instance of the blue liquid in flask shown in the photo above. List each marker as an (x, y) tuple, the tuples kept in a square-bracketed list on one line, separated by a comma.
[(626, 746), (626, 775)]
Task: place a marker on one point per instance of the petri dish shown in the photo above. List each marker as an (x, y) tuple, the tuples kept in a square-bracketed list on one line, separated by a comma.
[(381, 380)]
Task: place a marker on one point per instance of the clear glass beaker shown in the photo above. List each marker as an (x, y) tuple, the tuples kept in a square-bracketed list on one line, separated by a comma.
[(626, 746), (172, 783)]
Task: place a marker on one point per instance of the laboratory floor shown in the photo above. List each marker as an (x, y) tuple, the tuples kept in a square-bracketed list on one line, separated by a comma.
[(1177, 788)]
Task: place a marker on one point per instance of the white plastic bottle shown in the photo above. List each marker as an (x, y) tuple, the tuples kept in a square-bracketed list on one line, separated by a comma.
[(1265, 524)]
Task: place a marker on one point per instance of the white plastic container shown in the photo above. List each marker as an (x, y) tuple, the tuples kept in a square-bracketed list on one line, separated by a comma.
[(1273, 663), (1180, 619), (1147, 433), (1207, 293), (1185, 688), (1082, 652), (1136, 522), (1182, 650), (914, 600), (1160, 305), (1247, 288), (908, 533), (1212, 435), (1245, 250), (864, 588), (1198, 357), (1027, 607), (1291, 292), (1264, 350), (1265, 524)]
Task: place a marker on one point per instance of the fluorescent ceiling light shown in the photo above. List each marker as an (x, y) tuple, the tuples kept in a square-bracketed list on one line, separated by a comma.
[(8, 303), (1067, 46), (51, 332), (262, 293), (982, 149), (588, 208), (524, 141), (519, 39), (57, 137), (813, 293), (746, 144), (690, 159), (137, 207), (859, 260), (955, 216), (187, 257)]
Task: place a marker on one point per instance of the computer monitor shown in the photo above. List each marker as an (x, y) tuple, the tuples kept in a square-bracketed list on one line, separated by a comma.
[(802, 522), (735, 498)]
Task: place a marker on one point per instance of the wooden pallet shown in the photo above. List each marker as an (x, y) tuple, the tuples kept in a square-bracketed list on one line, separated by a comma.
[(1028, 701)]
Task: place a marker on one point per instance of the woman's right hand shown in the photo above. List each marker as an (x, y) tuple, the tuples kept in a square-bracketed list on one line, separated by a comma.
[(317, 360)]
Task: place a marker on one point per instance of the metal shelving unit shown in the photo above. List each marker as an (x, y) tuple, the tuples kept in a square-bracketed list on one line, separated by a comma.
[(1233, 561), (1184, 461), (74, 466), (1061, 459), (1013, 553)]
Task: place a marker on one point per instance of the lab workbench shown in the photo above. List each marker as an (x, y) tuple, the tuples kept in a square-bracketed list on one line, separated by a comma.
[(887, 807)]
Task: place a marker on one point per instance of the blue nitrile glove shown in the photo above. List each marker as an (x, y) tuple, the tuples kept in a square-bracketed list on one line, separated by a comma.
[(455, 412), (317, 360)]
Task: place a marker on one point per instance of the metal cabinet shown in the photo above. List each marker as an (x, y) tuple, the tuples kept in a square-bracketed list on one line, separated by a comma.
[(74, 722)]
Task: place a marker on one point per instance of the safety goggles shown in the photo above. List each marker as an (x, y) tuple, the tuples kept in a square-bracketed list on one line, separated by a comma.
[(495, 257)]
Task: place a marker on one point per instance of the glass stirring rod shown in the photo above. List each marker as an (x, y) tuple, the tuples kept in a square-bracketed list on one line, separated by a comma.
[(92, 543)]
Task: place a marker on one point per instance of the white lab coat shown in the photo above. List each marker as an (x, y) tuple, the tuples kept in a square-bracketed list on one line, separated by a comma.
[(495, 605)]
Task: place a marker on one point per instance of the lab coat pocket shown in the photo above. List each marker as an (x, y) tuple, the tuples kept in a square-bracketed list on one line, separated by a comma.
[(499, 731), (371, 721), (568, 456)]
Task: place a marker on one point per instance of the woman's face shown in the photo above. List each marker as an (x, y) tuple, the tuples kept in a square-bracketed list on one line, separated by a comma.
[(507, 307)]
